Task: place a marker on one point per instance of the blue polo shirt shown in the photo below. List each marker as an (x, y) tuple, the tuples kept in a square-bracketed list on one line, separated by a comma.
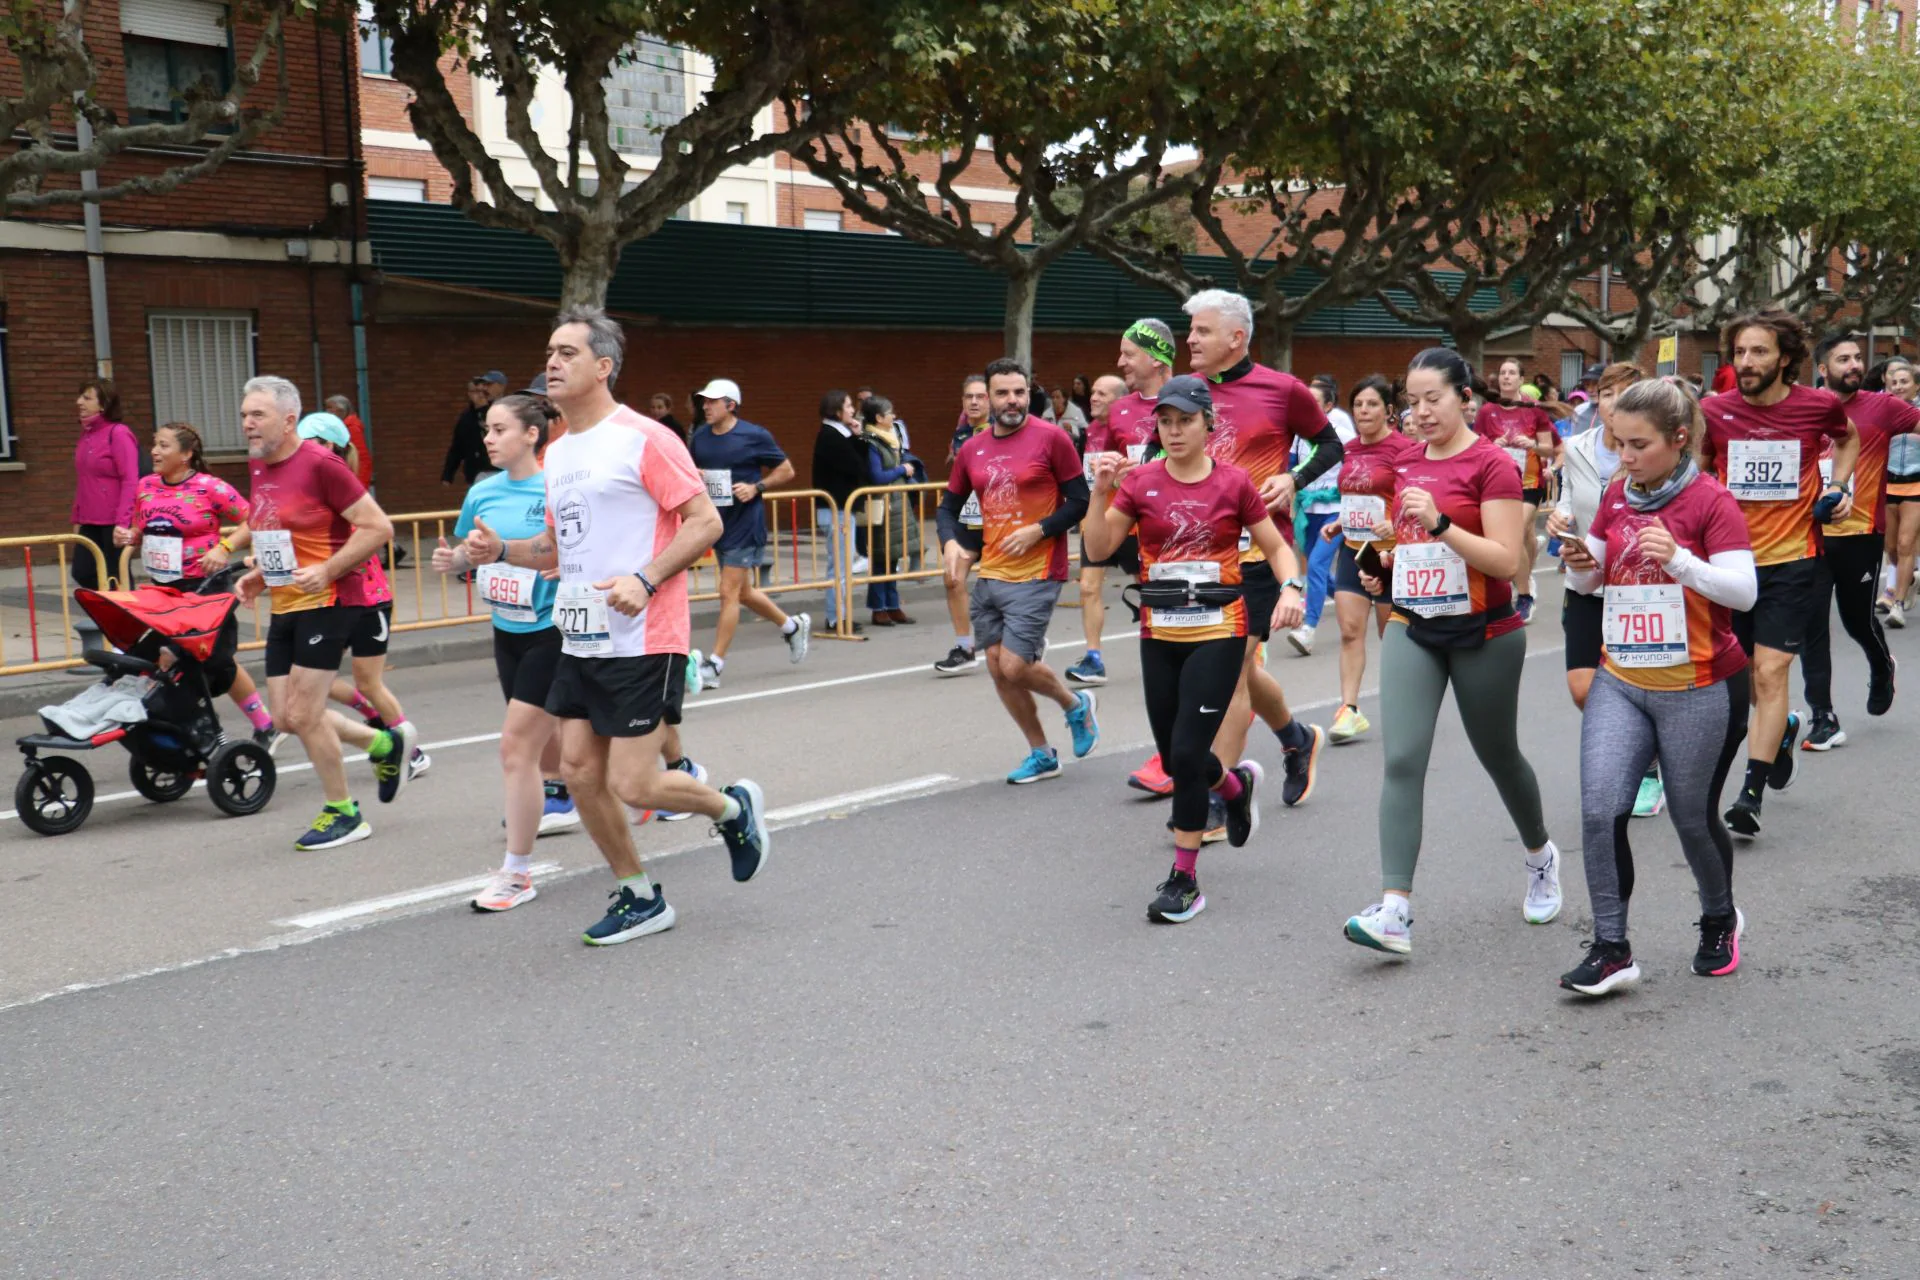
[(739, 456)]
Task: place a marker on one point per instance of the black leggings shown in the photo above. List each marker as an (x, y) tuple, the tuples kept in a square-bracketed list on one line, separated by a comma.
[(1855, 564), (1188, 686)]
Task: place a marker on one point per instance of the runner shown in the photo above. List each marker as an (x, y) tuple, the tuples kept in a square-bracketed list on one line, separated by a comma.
[(1031, 491), (1903, 504), (1191, 512), (1853, 545), (739, 461), (1669, 546), (526, 645), (626, 514), (1319, 515), (1763, 442), (313, 527), (1258, 413), (177, 512), (974, 418), (1457, 525), (1368, 476), (1525, 431), (1122, 424)]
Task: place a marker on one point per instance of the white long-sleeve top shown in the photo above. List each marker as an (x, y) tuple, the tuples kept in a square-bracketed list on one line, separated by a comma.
[(1727, 578)]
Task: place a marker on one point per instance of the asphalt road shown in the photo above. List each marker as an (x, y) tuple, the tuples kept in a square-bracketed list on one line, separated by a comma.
[(937, 1037)]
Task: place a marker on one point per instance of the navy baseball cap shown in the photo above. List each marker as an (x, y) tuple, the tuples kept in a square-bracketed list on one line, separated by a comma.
[(1186, 393), (494, 375)]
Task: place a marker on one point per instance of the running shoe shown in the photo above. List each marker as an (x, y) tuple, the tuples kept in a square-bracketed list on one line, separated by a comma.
[(640, 817), (958, 662), (1301, 638), (1895, 616), (556, 810), (1089, 670), (1180, 899), (1523, 605), (709, 674), (390, 770), (505, 890), (268, 739), (1542, 902), (1151, 778), (747, 837), (1826, 733), (1719, 952), (1243, 812), (1608, 967), (1083, 724), (1041, 762), (699, 774), (1784, 762), (1880, 690), (799, 638), (628, 918), (1348, 725), (1216, 830), (1302, 767), (1384, 926), (1652, 798), (693, 672), (419, 764), (1743, 815), (332, 829)]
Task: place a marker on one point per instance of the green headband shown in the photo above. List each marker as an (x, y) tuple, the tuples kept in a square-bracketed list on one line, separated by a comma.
[(1153, 344)]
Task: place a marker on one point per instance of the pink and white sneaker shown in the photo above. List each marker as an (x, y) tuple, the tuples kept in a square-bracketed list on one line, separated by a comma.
[(506, 890)]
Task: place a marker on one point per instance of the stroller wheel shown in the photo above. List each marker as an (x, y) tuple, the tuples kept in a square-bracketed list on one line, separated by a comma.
[(157, 783), (240, 778), (54, 796)]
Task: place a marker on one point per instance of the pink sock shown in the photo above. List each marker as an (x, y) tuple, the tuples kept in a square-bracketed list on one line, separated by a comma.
[(1187, 860), (362, 707), (1228, 788), (256, 712)]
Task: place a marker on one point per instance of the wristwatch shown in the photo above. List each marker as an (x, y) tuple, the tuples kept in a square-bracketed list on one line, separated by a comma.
[(1443, 524), (1298, 584)]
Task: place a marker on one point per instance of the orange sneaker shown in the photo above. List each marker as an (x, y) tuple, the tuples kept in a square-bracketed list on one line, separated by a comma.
[(1151, 778)]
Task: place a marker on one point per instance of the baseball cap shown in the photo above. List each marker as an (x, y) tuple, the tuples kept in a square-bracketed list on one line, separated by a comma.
[(1592, 372), (1185, 393), (721, 389), (494, 375), (538, 387), (324, 426)]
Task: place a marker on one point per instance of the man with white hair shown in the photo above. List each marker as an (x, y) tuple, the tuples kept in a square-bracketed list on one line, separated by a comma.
[(1258, 413), (313, 528)]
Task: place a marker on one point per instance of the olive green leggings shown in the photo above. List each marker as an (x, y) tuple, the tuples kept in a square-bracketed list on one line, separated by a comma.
[(1486, 687)]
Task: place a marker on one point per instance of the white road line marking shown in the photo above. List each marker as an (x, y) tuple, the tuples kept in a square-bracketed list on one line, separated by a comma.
[(394, 901), (892, 791)]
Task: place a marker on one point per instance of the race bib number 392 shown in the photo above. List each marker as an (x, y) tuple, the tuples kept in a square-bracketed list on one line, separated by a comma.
[(1763, 470)]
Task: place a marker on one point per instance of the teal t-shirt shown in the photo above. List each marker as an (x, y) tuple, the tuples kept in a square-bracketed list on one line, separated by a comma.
[(513, 509)]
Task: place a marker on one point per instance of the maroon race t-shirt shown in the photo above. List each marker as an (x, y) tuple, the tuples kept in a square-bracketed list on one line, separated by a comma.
[(1478, 474), (1515, 426), (1703, 518), (1196, 524), (1753, 450), (1129, 426), (299, 502), (1879, 417), (1018, 478), (1368, 471)]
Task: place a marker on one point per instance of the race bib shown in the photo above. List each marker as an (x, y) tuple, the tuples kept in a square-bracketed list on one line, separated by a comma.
[(163, 558), (719, 486), (1359, 512), (508, 590), (1430, 579), (1246, 541), (1646, 626), (1763, 470), (1189, 571), (970, 513), (273, 552), (1086, 466), (581, 614), (1519, 456), (1826, 473)]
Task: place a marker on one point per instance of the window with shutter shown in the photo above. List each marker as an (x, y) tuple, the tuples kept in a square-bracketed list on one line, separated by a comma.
[(200, 361)]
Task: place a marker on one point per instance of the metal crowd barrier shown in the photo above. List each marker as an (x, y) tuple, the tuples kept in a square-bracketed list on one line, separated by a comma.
[(920, 554), (35, 578)]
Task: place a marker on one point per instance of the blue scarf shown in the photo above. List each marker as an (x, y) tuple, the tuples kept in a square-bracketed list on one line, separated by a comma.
[(1647, 500)]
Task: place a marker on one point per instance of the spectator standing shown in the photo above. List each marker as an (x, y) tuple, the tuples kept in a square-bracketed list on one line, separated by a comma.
[(467, 453), (1070, 418), (342, 408), (887, 518), (660, 404), (839, 467), (1327, 392), (106, 469)]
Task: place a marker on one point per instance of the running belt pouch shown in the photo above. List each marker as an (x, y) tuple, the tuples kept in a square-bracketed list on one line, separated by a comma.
[(1177, 593), (1461, 631)]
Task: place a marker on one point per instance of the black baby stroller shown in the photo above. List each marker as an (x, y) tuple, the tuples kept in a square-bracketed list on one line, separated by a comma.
[(178, 741)]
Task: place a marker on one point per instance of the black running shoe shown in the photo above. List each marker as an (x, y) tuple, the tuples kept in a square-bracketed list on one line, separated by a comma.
[(1786, 761), (746, 836), (390, 770), (267, 739), (958, 662), (1719, 952), (1743, 816), (1880, 692), (1826, 733), (1180, 900), (1608, 967), (1243, 812), (1303, 767)]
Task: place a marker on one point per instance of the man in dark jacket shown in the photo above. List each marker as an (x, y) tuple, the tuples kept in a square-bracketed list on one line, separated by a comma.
[(468, 450)]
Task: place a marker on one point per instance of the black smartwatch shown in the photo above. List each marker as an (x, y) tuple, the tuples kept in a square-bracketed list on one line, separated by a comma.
[(1445, 523)]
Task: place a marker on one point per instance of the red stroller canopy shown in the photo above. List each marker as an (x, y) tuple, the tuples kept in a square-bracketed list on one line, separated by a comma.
[(192, 621)]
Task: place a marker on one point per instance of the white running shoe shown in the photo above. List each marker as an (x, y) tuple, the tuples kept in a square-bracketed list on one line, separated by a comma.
[(506, 890), (797, 642), (1543, 888), (709, 674), (1895, 617), (1301, 638), (1384, 926)]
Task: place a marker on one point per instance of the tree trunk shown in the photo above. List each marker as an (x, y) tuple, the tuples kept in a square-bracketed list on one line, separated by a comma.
[(1470, 340), (1276, 345), (587, 264), (1022, 289)]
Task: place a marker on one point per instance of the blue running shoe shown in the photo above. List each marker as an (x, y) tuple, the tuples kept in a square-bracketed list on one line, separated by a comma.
[(333, 829), (699, 774), (1041, 762), (629, 917), (1083, 724), (1091, 669), (556, 810), (746, 836)]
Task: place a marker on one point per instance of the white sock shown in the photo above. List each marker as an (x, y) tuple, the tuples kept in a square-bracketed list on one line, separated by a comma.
[(642, 884), (793, 625), (732, 810), (519, 864), (719, 663), (1888, 577), (1538, 858)]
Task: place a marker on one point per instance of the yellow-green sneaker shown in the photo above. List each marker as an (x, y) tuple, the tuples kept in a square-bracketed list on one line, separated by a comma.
[(1348, 725)]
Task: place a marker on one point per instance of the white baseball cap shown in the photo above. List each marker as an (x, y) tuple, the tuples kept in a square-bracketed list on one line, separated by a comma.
[(721, 389)]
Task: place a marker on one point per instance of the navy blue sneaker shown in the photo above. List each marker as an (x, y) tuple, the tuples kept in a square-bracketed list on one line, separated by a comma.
[(746, 836), (630, 917), (333, 829), (1780, 777), (390, 770), (1089, 670)]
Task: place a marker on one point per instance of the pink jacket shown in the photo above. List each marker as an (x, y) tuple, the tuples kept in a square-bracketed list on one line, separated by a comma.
[(106, 464)]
